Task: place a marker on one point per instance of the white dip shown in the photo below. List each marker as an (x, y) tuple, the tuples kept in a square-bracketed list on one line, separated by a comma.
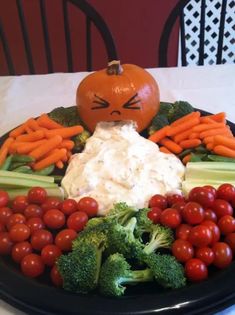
[(118, 164)]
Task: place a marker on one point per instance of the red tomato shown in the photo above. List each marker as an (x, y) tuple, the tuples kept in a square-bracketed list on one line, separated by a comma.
[(77, 221), (230, 240), (5, 243), (35, 224), (210, 215), (41, 238), (14, 219), (226, 224), (33, 211), (32, 265), (56, 277), (205, 254), (211, 189), (215, 231), (182, 250), (223, 255), (226, 192), (20, 250), (154, 214), (193, 213), (19, 232), (4, 198), (5, 214), (203, 196), (88, 205), (68, 206), (179, 206), (170, 217), (200, 236), (50, 203), (196, 270), (174, 198), (182, 231), (19, 204), (50, 253), (233, 202), (37, 195), (222, 207), (64, 239), (158, 201), (2, 227), (54, 218)]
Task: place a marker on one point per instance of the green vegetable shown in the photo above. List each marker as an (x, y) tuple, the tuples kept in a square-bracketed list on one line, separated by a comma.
[(144, 224), (23, 169), (179, 110), (80, 141), (165, 108), (158, 122), (116, 273), (218, 158), (13, 175), (46, 171), (7, 163), (66, 116), (121, 213), (22, 158)]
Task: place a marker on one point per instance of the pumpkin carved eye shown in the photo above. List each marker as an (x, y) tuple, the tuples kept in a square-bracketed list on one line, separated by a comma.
[(101, 103), (132, 101)]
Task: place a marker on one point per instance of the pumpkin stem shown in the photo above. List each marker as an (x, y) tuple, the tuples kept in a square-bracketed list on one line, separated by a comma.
[(114, 67)]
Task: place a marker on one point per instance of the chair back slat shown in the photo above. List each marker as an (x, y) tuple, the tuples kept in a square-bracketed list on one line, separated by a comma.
[(88, 44), (6, 51), (202, 33), (221, 32), (182, 41), (67, 37)]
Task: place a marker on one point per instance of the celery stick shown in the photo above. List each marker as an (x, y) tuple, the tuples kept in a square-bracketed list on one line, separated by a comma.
[(219, 158), (23, 182), (13, 175), (201, 174), (52, 192), (226, 166)]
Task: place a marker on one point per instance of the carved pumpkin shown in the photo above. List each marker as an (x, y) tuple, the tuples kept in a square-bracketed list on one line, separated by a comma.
[(125, 92)]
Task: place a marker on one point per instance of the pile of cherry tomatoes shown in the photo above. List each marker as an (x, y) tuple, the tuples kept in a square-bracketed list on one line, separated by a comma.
[(36, 229), (204, 227)]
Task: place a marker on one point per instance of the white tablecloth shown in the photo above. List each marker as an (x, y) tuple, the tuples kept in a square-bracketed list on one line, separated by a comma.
[(211, 88)]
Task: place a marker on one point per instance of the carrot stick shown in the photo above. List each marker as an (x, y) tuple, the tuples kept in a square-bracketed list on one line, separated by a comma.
[(174, 130), (186, 118), (17, 131), (33, 136), (159, 134), (66, 143), (190, 143), (213, 132), (210, 146), (219, 117), (182, 135), (225, 141), (26, 147), (50, 159), (69, 154), (171, 145), (194, 135), (4, 149), (186, 159), (204, 127), (164, 150), (3, 155), (59, 164), (28, 129), (45, 121), (65, 132), (207, 120), (224, 151), (33, 124), (207, 140), (46, 147)]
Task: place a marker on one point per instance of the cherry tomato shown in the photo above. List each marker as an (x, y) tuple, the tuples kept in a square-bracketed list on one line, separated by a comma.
[(5, 243), (5, 214), (211, 189), (41, 238), (50, 203), (226, 224), (33, 211), (230, 240), (77, 221), (14, 219), (202, 195), (179, 206), (170, 217), (68, 206), (182, 231), (174, 198), (4, 198), (222, 207), (88, 205), (182, 250), (154, 214), (196, 270), (158, 201), (200, 236), (32, 265), (233, 202), (2, 227), (37, 195), (54, 218), (223, 255), (193, 213), (210, 215), (19, 232), (50, 253), (56, 277), (205, 254), (64, 239), (226, 192), (35, 224), (215, 231), (20, 250), (19, 204)]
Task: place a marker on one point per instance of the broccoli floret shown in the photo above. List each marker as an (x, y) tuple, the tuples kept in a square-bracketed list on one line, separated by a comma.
[(80, 269), (158, 122), (179, 110), (94, 221), (144, 224), (66, 116), (168, 272), (80, 141), (121, 213), (116, 272), (165, 108)]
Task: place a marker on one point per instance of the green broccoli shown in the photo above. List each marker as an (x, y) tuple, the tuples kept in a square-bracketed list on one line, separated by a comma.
[(121, 213), (94, 221), (80, 141), (144, 224), (179, 110), (165, 108), (66, 116), (158, 122), (80, 269), (116, 272)]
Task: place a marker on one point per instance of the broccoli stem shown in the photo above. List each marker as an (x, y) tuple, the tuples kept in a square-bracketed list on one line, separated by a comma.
[(157, 240), (137, 276)]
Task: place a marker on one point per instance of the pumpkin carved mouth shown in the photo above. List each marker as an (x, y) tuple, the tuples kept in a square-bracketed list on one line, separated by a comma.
[(115, 112)]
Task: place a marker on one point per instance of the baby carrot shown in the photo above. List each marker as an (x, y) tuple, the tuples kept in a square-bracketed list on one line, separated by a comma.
[(65, 132), (17, 131), (59, 164), (219, 117), (190, 143), (182, 135), (66, 143), (159, 134), (225, 141), (32, 124), (46, 147), (171, 145), (186, 159), (164, 150), (194, 135), (26, 147), (210, 146), (207, 140), (28, 129), (204, 127), (224, 151), (4, 149), (207, 120), (33, 136), (186, 118), (213, 132), (45, 121), (174, 130), (50, 159)]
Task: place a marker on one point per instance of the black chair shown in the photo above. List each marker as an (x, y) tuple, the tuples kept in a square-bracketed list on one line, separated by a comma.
[(177, 14), (92, 17)]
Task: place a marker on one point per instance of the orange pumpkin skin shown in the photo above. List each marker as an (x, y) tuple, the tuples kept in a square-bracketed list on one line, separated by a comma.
[(131, 95)]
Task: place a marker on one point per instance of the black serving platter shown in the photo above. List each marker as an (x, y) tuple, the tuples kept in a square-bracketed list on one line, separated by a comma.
[(40, 297)]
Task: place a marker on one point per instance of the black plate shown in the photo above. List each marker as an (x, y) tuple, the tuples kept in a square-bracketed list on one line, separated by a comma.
[(39, 297)]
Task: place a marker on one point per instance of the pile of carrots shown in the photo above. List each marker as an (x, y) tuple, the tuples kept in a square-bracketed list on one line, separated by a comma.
[(43, 139), (192, 130)]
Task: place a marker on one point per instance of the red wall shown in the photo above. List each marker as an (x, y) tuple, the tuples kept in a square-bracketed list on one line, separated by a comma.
[(136, 26)]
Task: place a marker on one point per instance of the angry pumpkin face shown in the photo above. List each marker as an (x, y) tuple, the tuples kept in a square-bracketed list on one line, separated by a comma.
[(118, 94)]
